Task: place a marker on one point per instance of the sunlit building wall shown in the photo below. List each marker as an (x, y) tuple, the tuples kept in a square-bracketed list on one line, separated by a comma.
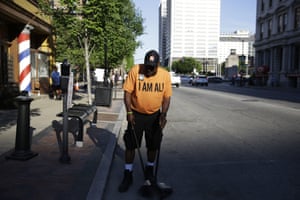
[(189, 28), (240, 41)]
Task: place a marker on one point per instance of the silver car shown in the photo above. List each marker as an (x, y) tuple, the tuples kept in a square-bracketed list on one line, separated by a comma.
[(200, 80)]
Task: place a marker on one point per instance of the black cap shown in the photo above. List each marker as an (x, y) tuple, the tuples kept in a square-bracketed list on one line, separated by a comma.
[(151, 58)]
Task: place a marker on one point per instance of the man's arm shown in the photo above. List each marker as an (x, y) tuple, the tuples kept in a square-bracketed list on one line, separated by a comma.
[(164, 110), (127, 101), (165, 104)]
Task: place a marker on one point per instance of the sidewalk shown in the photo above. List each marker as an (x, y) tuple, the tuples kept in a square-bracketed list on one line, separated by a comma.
[(44, 176)]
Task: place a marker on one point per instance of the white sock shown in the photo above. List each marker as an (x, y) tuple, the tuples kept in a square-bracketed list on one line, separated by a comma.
[(128, 167)]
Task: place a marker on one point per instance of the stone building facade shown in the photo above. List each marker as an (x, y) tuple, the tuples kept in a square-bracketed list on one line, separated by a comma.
[(277, 43)]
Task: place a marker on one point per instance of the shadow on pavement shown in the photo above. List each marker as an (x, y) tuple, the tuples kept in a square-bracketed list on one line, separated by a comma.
[(8, 118), (100, 140), (55, 180), (290, 95)]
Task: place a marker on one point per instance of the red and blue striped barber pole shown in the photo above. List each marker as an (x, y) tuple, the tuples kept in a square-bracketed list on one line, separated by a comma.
[(24, 60)]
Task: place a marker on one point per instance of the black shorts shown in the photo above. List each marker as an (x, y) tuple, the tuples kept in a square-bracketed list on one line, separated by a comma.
[(148, 124)]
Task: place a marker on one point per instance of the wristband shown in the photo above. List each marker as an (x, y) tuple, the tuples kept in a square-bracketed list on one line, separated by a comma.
[(129, 113)]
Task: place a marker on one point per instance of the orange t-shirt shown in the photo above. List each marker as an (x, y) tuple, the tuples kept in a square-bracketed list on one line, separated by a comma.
[(147, 93)]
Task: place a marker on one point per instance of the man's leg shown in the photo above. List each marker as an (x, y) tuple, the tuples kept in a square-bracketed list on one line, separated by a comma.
[(58, 93), (152, 143), (54, 92), (128, 179), (130, 137), (151, 155), (129, 158)]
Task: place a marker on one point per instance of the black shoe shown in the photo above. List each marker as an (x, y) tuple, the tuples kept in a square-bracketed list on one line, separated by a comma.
[(149, 173), (127, 181)]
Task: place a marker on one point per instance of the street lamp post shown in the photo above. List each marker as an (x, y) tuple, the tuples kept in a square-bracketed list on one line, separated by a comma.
[(206, 66)]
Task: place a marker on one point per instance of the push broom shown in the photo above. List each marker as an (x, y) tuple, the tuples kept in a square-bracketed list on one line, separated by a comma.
[(151, 187)]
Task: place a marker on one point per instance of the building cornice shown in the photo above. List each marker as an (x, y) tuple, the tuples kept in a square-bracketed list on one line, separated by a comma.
[(21, 11), (276, 40)]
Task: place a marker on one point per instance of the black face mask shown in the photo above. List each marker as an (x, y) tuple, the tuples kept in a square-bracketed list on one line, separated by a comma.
[(150, 67), (150, 70)]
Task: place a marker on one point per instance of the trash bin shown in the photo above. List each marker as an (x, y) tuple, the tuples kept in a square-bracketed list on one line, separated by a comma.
[(103, 95)]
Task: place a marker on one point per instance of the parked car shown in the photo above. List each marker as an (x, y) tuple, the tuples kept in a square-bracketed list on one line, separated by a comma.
[(200, 80), (175, 79), (186, 79), (215, 79)]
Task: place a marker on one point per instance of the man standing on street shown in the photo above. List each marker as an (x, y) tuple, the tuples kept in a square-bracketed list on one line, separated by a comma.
[(147, 95), (55, 78)]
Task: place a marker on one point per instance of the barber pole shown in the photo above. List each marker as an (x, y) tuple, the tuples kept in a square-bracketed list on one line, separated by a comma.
[(24, 60)]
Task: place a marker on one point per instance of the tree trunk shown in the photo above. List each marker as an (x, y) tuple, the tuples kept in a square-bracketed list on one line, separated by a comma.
[(88, 76)]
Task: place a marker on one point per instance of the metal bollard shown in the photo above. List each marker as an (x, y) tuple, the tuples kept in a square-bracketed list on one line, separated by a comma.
[(65, 157), (65, 84), (23, 136)]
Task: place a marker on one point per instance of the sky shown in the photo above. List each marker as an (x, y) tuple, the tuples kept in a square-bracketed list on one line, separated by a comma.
[(235, 15)]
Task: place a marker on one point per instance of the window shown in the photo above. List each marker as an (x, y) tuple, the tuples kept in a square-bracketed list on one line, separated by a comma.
[(280, 54), (261, 34), (297, 59), (282, 22), (270, 3), (262, 7), (269, 27), (285, 21), (297, 18)]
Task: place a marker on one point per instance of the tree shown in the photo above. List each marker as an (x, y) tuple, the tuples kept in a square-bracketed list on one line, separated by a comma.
[(104, 30), (186, 65)]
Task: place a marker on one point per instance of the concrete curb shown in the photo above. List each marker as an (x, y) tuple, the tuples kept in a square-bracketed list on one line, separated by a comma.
[(97, 187)]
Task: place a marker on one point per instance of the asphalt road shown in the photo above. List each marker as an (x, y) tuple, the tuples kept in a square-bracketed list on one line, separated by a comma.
[(225, 142)]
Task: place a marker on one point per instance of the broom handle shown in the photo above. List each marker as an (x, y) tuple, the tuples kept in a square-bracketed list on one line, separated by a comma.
[(157, 155), (138, 149)]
